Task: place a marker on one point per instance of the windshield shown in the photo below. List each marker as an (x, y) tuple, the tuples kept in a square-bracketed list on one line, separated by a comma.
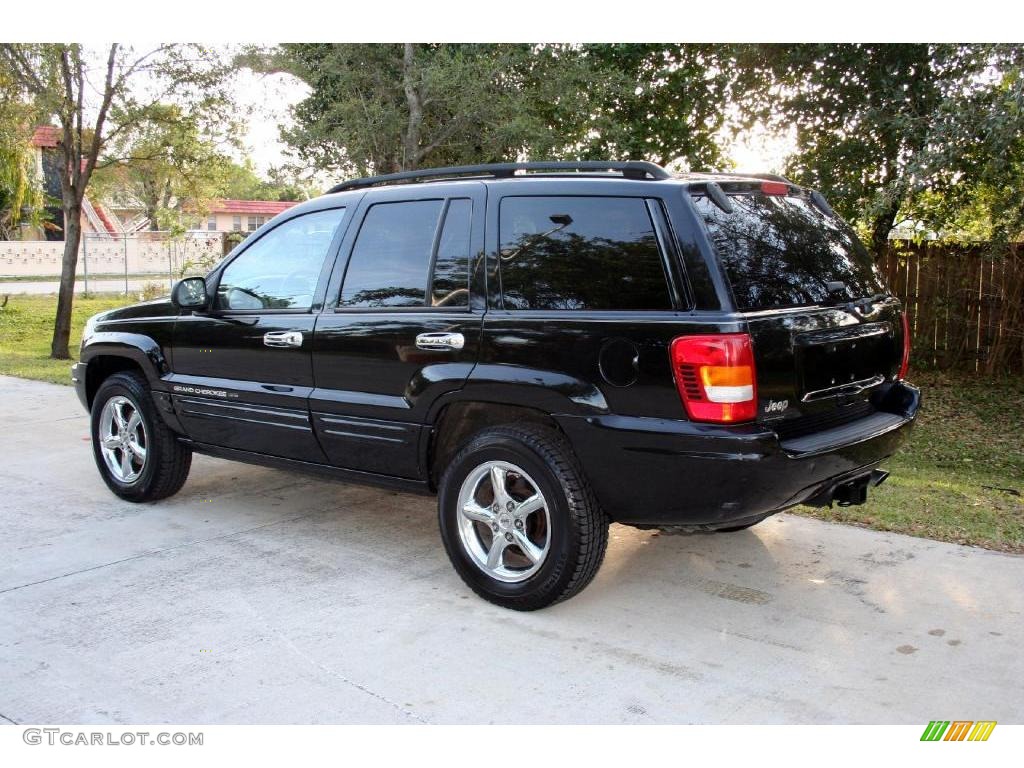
[(783, 251)]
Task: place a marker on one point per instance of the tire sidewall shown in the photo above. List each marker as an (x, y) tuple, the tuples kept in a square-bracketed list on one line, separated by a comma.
[(123, 386), (557, 569)]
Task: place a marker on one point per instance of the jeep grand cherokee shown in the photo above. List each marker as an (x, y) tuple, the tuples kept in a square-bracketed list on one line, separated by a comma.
[(546, 346)]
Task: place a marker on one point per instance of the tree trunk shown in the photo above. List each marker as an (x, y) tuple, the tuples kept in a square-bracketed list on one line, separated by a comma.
[(415, 103), (880, 229), (66, 295)]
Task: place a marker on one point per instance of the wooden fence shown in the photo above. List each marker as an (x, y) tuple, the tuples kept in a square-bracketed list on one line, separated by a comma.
[(964, 304)]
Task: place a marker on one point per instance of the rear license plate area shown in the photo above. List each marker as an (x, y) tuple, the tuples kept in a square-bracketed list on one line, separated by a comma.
[(834, 359)]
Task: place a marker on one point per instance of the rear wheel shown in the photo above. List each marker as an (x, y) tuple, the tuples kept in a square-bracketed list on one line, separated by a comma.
[(517, 519), (138, 456)]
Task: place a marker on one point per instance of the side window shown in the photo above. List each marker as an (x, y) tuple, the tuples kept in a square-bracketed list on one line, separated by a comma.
[(281, 269), (580, 253), (451, 265), (391, 257)]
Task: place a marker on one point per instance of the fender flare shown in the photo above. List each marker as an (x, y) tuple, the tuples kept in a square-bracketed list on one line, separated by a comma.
[(139, 348), (548, 391)]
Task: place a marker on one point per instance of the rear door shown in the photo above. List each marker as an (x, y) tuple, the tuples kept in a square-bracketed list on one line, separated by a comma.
[(827, 333), (401, 326), (243, 371)]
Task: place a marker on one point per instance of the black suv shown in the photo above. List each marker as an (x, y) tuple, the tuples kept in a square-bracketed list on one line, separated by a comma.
[(547, 346)]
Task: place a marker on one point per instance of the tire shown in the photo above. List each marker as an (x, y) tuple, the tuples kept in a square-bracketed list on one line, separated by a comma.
[(563, 526), (166, 462)]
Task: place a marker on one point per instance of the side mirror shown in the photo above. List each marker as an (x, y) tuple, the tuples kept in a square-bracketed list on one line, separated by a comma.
[(190, 293)]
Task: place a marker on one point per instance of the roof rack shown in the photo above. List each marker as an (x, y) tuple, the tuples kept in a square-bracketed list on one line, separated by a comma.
[(630, 169)]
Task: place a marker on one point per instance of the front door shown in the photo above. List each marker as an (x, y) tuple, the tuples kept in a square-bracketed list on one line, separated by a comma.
[(401, 329), (243, 371)]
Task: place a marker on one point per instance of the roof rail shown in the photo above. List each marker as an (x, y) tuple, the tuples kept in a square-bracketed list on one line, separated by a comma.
[(630, 169)]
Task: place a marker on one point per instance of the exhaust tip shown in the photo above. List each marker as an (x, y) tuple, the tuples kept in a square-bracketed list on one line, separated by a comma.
[(878, 476)]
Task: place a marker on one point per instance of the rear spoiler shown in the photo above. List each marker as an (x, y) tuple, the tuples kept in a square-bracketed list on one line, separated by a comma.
[(768, 184)]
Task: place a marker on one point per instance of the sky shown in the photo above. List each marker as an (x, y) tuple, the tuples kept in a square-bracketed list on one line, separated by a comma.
[(270, 97), (759, 151)]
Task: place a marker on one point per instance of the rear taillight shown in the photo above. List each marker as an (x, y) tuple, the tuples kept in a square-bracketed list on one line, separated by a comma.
[(905, 361), (715, 377)]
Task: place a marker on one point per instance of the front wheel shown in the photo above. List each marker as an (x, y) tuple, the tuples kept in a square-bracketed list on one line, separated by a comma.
[(138, 456), (518, 520)]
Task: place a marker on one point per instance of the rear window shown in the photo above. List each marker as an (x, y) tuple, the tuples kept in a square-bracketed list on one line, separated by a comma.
[(577, 253), (782, 251)]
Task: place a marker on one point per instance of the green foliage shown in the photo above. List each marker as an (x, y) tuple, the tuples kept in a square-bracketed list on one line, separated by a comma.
[(387, 107), (975, 160), (659, 102), (94, 96), (164, 161), (244, 183), (382, 108), (880, 127), (19, 187)]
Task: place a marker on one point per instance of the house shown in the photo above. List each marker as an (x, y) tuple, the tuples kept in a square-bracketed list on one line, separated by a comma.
[(96, 219), (240, 215), (101, 220)]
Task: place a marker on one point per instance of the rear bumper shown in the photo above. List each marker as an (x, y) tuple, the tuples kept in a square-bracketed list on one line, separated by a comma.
[(665, 472)]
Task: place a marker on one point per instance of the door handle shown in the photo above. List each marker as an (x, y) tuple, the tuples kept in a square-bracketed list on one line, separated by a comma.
[(282, 339), (440, 341)]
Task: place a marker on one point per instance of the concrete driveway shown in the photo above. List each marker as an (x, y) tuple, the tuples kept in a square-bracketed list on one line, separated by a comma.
[(256, 596)]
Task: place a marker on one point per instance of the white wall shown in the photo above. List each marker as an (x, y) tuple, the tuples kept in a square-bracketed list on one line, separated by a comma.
[(146, 253)]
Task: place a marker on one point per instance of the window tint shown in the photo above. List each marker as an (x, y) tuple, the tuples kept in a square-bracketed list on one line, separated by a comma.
[(580, 253), (781, 251), (281, 269), (451, 267), (391, 256)]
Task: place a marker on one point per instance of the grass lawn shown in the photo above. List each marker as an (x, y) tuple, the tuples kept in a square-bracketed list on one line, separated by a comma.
[(26, 328), (961, 478)]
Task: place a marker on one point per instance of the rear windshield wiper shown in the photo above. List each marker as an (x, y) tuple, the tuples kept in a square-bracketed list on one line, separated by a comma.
[(837, 298), (718, 196)]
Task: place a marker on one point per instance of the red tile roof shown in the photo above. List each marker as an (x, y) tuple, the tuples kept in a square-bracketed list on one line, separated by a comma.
[(105, 218), (46, 136), (261, 207)]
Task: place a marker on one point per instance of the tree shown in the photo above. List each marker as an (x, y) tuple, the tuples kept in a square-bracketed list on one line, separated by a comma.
[(975, 158), (94, 97), (19, 188), (244, 183), (168, 158), (873, 122), (667, 102), (384, 108)]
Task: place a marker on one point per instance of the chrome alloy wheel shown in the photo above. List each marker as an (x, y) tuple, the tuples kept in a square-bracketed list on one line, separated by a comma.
[(123, 440), (504, 522)]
